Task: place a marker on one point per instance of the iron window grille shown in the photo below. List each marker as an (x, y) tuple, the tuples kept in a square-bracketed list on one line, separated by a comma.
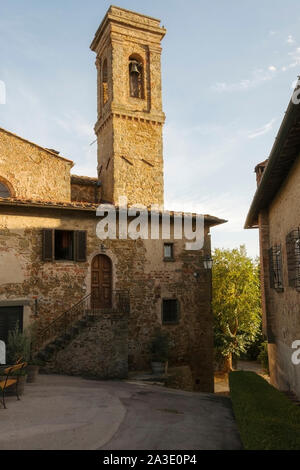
[(275, 264), (168, 251), (293, 258), (170, 311)]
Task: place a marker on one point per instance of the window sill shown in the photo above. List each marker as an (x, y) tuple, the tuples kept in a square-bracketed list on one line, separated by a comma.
[(64, 261), (169, 260), (137, 98)]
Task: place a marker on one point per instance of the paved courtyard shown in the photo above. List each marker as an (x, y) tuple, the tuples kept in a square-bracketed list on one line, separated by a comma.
[(63, 413)]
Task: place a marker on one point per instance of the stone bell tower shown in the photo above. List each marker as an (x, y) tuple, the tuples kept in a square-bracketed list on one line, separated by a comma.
[(130, 116)]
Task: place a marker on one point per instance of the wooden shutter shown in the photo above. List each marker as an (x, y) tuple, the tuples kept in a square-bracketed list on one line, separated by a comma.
[(48, 245), (80, 245)]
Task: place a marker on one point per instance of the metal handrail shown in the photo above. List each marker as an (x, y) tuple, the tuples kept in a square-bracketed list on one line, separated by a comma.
[(58, 326)]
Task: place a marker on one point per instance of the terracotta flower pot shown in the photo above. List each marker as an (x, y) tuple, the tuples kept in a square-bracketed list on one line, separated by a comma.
[(159, 367), (32, 373)]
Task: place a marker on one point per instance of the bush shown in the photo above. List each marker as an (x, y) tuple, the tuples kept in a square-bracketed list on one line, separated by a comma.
[(263, 356), (266, 418), (18, 346), (254, 348)]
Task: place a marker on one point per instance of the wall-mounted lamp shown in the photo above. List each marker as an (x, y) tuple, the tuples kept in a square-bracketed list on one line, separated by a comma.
[(35, 298), (102, 248), (207, 262)]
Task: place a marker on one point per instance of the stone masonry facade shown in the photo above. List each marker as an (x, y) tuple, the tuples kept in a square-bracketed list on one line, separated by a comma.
[(283, 311), (46, 211), (138, 267), (275, 211)]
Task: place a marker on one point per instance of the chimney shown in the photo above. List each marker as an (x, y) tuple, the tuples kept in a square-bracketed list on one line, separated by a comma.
[(259, 170)]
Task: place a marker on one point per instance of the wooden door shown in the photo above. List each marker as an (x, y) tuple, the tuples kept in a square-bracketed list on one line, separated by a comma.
[(102, 281)]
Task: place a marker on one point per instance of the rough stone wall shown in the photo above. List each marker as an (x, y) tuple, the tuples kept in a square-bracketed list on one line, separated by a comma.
[(129, 129), (33, 172), (264, 245), (138, 161), (85, 193), (106, 160), (284, 216), (100, 350), (137, 266)]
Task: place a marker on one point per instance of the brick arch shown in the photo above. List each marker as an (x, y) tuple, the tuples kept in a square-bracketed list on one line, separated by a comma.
[(5, 183)]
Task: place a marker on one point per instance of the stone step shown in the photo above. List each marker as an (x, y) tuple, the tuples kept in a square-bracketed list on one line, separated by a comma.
[(88, 319)]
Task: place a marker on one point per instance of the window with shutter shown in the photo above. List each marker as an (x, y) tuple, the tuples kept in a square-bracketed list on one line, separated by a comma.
[(64, 245)]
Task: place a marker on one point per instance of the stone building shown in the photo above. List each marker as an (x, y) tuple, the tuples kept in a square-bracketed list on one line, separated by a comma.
[(98, 302), (275, 211)]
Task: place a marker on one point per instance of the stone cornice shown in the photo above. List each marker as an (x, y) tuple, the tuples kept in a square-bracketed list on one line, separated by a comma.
[(131, 115), (129, 19)]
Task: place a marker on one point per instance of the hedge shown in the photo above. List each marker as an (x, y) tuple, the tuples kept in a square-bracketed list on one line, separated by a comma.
[(266, 418)]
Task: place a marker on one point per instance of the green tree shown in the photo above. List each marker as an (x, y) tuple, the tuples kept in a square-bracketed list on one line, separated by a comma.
[(236, 302)]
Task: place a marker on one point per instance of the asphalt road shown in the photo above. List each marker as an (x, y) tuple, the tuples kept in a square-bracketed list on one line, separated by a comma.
[(62, 413)]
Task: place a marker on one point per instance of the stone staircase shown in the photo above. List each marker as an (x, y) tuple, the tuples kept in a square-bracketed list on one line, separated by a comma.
[(66, 327), (49, 349)]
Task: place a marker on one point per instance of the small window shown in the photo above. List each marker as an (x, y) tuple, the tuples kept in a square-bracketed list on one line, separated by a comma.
[(136, 77), (4, 191), (275, 265), (293, 258), (168, 251), (170, 311)]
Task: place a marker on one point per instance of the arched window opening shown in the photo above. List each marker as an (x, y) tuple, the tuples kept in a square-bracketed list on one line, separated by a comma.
[(136, 77), (4, 190), (104, 82)]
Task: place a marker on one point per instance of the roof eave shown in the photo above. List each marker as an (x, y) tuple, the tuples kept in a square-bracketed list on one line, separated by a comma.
[(257, 204)]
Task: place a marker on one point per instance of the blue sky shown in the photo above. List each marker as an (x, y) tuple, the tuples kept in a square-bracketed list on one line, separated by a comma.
[(228, 71)]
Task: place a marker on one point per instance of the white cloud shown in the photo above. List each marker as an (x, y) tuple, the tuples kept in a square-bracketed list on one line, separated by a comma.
[(295, 57), (73, 123), (272, 68), (184, 155), (290, 39), (262, 130), (257, 77)]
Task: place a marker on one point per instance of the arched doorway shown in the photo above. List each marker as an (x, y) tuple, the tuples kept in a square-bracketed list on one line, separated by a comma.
[(102, 281)]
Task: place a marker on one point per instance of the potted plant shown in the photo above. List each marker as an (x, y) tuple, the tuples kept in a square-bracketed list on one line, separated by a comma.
[(33, 369), (18, 350), (160, 352)]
